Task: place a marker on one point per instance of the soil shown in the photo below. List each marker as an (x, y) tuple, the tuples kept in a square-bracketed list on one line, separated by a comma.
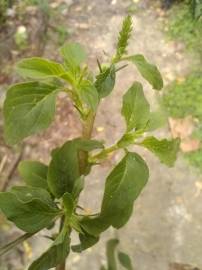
[(165, 231)]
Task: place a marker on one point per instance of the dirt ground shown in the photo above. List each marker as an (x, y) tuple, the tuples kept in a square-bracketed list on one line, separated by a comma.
[(165, 231)]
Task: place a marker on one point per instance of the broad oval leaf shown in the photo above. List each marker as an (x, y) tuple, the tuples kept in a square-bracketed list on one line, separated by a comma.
[(157, 120), (135, 108), (73, 54), (55, 255), (39, 68), (86, 241), (125, 260), (34, 173), (122, 187), (165, 150), (64, 168), (105, 81), (26, 194), (31, 209), (29, 108), (148, 71)]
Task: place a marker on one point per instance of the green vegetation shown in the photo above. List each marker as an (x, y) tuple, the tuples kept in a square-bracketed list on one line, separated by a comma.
[(183, 26), (183, 99), (3, 9), (195, 158)]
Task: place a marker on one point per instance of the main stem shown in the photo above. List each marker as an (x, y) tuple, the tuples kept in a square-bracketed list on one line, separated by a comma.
[(87, 128)]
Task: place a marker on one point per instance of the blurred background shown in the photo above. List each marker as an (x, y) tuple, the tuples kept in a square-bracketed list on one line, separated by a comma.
[(165, 232)]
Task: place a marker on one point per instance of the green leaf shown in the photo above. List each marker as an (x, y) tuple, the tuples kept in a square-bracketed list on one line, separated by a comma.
[(73, 54), (64, 167), (105, 81), (123, 185), (31, 209), (34, 173), (25, 193), (39, 68), (55, 255), (125, 261), (110, 252), (95, 225), (88, 94), (165, 150), (148, 71), (75, 223), (86, 241), (29, 108), (78, 187), (135, 108), (68, 204), (157, 120)]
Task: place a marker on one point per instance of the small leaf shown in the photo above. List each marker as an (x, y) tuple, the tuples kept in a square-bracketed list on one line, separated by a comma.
[(34, 173), (135, 108), (64, 168), (31, 209), (110, 252), (29, 108), (105, 81), (164, 149), (39, 68), (55, 255), (88, 94), (125, 261), (148, 71), (86, 241), (68, 204), (73, 54)]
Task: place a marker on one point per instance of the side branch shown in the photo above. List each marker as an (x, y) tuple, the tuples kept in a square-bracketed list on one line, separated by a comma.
[(14, 243)]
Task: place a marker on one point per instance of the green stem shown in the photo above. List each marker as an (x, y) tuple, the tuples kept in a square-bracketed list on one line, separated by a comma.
[(83, 161), (102, 154), (87, 130), (14, 243)]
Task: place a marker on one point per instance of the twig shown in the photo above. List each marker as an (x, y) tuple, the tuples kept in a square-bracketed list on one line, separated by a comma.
[(3, 162), (11, 170), (99, 65), (14, 243), (122, 67)]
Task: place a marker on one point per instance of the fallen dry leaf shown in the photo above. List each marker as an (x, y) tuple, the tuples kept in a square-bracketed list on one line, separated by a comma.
[(183, 129), (188, 145)]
